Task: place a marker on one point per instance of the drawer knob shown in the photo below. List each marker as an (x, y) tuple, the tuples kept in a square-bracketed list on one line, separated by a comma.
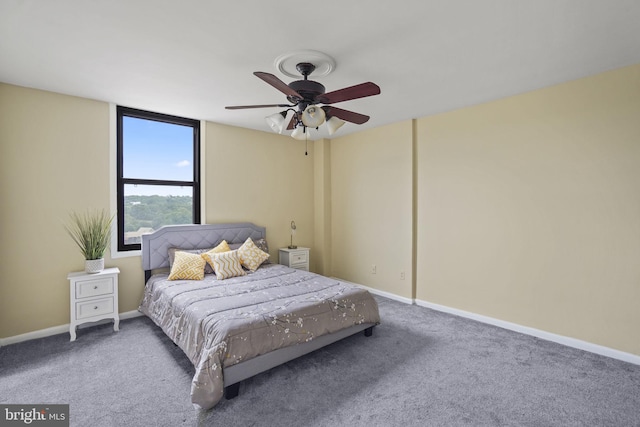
[(95, 308), (95, 287)]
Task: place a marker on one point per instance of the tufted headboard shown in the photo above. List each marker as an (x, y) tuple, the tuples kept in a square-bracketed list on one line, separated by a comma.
[(155, 246)]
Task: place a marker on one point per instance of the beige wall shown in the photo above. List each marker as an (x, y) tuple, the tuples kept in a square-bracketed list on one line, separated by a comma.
[(263, 178), (54, 158), (371, 207), (322, 206), (54, 153), (529, 209)]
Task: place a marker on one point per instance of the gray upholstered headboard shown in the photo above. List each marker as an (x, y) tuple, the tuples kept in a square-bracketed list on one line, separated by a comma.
[(155, 246)]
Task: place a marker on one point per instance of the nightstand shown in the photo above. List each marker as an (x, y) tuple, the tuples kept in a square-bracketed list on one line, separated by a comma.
[(93, 297), (295, 258)]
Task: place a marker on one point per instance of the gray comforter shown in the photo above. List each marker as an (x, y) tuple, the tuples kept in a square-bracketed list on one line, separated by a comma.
[(221, 323)]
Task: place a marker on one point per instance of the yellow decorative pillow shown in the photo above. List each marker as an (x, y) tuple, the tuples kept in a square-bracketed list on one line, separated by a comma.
[(251, 256), (187, 266), (227, 264), (222, 247)]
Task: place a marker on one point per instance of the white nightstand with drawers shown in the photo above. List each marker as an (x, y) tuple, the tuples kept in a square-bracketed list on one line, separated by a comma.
[(93, 297), (295, 258)]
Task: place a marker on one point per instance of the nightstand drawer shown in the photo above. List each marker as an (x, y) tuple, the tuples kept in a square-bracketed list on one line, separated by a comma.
[(93, 308), (299, 257), (90, 288)]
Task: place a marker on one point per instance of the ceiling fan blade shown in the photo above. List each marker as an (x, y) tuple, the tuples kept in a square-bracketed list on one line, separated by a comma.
[(346, 115), (348, 93), (240, 107), (278, 84)]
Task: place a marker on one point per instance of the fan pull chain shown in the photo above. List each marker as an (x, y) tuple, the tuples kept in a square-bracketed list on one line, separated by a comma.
[(306, 141)]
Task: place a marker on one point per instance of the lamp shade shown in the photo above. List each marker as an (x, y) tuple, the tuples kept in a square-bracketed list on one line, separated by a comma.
[(301, 133), (276, 121), (313, 116), (333, 124)]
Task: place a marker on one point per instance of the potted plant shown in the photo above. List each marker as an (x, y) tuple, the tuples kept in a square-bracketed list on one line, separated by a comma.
[(92, 232)]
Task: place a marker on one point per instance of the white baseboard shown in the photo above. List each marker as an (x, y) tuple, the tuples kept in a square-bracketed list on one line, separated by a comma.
[(379, 292), (548, 336), (61, 329)]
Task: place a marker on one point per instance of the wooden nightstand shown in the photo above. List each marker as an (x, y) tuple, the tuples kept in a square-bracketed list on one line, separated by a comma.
[(93, 297), (295, 258)]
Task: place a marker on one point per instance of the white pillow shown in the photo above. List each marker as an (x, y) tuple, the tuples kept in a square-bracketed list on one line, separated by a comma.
[(227, 264)]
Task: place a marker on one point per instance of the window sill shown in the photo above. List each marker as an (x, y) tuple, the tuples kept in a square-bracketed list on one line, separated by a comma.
[(125, 254)]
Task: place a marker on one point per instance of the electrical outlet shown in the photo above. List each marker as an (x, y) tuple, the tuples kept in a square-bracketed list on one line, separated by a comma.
[(373, 269), (402, 275)]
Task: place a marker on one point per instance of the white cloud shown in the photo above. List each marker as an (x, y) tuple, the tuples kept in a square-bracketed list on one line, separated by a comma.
[(183, 163)]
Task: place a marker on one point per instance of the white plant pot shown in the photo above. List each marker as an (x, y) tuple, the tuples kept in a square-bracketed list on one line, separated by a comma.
[(94, 265)]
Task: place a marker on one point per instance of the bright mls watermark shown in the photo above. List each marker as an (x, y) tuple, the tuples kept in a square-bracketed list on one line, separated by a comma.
[(34, 415)]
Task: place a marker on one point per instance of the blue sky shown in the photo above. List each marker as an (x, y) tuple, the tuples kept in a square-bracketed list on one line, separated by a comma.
[(155, 150)]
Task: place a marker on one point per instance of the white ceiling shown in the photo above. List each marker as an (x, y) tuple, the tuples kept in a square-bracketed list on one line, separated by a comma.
[(193, 57)]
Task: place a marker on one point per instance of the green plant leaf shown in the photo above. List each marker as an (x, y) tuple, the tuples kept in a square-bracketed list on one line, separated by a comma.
[(91, 231)]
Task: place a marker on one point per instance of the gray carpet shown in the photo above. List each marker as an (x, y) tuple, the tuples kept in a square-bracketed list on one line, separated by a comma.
[(421, 367)]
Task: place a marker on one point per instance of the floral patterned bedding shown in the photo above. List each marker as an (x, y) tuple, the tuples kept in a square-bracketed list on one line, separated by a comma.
[(219, 323)]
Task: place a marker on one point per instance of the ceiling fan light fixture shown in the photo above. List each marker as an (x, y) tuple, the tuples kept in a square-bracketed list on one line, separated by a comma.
[(301, 133), (276, 121), (333, 124), (313, 116)]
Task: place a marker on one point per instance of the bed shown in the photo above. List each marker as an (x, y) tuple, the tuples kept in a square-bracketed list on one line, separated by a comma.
[(235, 328)]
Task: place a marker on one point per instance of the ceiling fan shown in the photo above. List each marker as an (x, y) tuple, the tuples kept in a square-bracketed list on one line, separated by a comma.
[(304, 97)]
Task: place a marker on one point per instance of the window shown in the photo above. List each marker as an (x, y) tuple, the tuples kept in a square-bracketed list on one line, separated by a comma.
[(158, 175)]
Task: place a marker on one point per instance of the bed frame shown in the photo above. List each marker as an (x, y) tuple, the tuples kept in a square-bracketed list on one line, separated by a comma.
[(155, 256)]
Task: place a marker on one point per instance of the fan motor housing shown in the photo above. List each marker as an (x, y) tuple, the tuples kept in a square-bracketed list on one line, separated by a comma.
[(307, 88)]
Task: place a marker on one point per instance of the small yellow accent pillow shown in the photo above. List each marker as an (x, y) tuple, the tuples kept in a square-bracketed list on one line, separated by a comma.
[(227, 264), (187, 266), (251, 256), (222, 247)]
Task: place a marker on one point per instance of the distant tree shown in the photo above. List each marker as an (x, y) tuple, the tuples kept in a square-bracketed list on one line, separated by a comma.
[(156, 211)]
